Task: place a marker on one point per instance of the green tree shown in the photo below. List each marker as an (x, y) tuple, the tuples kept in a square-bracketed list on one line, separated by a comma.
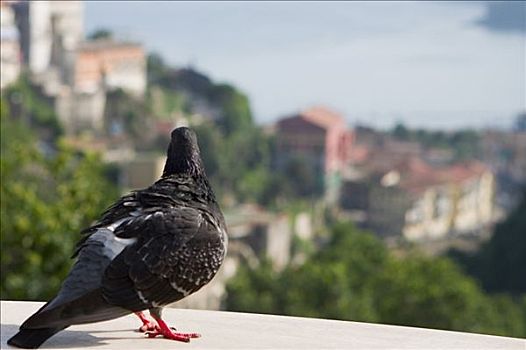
[(400, 131), (238, 163), (255, 290), (27, 102), (130, 114), (46, 201), (235, 108), (464, 144), (302, 179), (156, 68), (101, 33), (232, 106), (433, 293), (497, 263)]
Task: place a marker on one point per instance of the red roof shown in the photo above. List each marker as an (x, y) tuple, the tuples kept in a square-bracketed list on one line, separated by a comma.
[(323, 117), (462, 172), (419, 176)]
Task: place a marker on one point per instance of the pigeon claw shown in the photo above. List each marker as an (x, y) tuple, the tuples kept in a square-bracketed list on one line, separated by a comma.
[(147, 325), (169, 333), (183, 337)]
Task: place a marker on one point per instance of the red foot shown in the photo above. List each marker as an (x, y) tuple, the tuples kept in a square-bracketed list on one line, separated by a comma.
[(147, 325), (169, 333)]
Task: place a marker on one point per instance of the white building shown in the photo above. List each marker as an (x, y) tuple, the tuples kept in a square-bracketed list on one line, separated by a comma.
[(50, 33), (10, 46), (77, 73)]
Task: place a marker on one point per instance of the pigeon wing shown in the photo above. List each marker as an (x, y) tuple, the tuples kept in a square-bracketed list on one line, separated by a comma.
[(139, 277), (82, 285)]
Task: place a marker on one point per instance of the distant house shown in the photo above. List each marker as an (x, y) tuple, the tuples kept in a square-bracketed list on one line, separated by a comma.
[(99, 66), (412, 198), (75, 72), (112, 64), (50, 32), (455, 200), (321, 138)]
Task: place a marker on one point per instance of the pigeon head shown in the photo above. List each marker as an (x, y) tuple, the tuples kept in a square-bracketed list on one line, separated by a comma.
[(183, 154)]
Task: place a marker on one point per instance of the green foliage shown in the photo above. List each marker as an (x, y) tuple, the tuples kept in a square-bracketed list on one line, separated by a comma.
[(354, 277), (101, 33), (46, 201), (231, 105), (186, 79), (235, 109), (27, 102), (237, 163), (463, 143), (174, 101), (401, 132), (156, 68), (264, 296), (131, 114), (300, 179), (496, 264)]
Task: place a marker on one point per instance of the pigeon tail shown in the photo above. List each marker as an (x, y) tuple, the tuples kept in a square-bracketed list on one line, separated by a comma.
[(46, 322), (91, 307), (32, 338)]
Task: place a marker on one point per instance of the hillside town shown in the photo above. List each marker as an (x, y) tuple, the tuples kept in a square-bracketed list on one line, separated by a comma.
[(404, 190)]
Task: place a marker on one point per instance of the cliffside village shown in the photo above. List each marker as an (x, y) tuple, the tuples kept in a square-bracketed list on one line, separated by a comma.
[(396, 189)]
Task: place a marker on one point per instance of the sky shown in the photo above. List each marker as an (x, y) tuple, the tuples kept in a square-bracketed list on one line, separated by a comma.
[(427, 64)]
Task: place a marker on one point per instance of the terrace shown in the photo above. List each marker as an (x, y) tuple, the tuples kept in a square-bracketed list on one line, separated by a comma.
[(231, 330)]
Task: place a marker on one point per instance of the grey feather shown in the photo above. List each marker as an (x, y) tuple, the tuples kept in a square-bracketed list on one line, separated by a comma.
[(96, 254)]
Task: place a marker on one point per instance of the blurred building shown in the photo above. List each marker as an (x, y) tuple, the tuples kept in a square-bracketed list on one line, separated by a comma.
[(77, 73), (259, 234), (100, 66), (320, 138), (79, 111), (412, 198), (50, 33), (110, 64), (10, 44), (454, 200)]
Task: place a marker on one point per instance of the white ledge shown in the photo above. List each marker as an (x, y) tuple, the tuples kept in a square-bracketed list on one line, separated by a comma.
[(231, 330)]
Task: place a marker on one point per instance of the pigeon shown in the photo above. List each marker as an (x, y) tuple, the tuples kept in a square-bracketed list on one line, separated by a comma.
[(153, 247)]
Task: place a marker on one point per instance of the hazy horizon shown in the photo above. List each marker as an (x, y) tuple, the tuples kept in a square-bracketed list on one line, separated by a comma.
[(428, 64)]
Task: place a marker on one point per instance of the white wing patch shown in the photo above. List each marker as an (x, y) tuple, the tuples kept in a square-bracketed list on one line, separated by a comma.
[(115, 244), (126, 241), (98, 251), (141, 296)]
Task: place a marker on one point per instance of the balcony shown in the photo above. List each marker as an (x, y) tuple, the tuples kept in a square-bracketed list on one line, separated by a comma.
[(230, 330)]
